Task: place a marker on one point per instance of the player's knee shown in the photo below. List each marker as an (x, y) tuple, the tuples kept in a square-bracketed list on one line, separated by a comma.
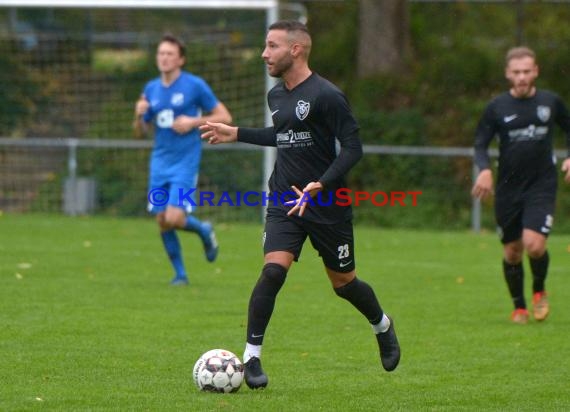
[(513, 258), (339, 279), (165, 225), (513, 253), (273, 276), (535, 249), (534, 245), (346, 290), (160, 219), (173, 220)]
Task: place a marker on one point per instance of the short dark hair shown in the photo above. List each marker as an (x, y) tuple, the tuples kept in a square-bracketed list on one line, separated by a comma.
[(171, 38), (289, 26), (296, 31), (518, 53)]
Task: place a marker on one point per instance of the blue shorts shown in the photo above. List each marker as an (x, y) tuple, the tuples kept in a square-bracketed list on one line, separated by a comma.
[(182, 195)]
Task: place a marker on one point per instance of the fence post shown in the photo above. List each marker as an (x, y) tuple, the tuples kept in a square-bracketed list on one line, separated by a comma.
[(70, 195), (72, 158)]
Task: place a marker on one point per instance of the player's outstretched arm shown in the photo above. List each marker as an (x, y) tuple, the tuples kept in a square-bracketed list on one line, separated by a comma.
[(217, 133), (483, 186), (566, 169)]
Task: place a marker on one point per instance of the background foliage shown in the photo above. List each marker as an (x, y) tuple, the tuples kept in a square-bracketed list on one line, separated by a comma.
[(454, 69)]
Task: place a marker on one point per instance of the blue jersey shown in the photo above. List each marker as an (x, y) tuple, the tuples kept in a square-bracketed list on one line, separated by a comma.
[(176, 157)]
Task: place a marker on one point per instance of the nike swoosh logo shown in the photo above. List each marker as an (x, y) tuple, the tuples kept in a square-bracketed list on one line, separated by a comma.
[(256, 336), (273, 113), (342, 264), (507, 119)]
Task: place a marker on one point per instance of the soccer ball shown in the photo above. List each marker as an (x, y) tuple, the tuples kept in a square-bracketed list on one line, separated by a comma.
[(218, 370)]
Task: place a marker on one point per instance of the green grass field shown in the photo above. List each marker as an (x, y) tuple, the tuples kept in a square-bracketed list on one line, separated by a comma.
[(88, 321)]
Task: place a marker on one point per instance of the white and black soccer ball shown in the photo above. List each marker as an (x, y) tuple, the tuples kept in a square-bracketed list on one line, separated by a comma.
[(218, 370)]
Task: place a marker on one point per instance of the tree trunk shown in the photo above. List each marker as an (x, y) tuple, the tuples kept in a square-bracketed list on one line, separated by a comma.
[(384, 37)]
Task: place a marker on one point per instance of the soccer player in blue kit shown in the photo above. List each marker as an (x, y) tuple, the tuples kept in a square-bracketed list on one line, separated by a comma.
[(309, 115), (176, 103), (523, 118)]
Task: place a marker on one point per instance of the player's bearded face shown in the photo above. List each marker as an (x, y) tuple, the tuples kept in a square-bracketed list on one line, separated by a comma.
[(277, 53), (522, 73), (278, 67)]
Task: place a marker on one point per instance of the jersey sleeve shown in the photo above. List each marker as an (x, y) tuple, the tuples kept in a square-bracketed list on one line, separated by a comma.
[(563, 120), (345, 128), (208, 100), (484, 134), (258, 136)]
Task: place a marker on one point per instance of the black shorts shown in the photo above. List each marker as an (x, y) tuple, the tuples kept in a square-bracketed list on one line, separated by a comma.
[(334, 242), (528, 205)]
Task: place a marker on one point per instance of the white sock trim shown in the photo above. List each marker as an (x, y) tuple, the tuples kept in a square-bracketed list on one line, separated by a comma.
[(382, 326), (251, 351)]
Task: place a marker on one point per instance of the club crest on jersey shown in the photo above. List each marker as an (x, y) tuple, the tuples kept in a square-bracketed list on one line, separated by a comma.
[(302, 109), (177, 99), (543, 113)]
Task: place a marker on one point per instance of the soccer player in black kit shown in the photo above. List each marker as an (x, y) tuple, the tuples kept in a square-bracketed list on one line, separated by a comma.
[(524, 119), (309, 113)]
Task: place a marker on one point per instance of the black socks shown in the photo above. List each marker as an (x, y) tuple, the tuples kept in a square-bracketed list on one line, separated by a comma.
[(514, 276), (262, 301), (539, 268), (362, 297)]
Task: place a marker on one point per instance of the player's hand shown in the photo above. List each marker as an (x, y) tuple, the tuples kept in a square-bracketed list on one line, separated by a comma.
[(183, 124), (483, 186), (566, 169), (139, 126), (300, 204), (217, 133), (141, 106)]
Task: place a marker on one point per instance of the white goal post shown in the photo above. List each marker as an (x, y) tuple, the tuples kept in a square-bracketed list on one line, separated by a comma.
[(145, 4)]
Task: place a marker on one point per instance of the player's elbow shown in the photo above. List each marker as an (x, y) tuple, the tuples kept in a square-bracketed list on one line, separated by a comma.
[(356, 153), (223, 114), (360, 152)]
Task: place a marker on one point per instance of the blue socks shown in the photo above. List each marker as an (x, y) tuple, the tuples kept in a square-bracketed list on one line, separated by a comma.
[(193, 225), (172, 246), (174, 251)]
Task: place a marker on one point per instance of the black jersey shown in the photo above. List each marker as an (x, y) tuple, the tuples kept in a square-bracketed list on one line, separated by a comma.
[(307, 122), (525, 128)]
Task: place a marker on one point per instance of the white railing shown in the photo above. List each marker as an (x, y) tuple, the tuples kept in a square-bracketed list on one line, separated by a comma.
[(71, 146)]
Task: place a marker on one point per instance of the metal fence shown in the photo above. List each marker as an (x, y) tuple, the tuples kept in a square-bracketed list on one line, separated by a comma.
[(88, 176), (99, 176)]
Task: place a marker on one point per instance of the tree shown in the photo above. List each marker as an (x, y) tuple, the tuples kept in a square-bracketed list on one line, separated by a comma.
[(384, 37)]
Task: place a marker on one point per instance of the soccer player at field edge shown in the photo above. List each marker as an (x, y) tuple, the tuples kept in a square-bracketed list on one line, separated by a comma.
[(176, 103), (524, 119), (308, 113)]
